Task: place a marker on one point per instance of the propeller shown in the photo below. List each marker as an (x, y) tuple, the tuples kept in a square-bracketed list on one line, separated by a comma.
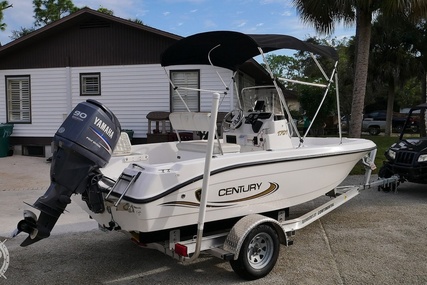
[(27, 225)]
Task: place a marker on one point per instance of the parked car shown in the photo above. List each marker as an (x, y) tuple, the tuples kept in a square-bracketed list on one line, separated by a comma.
[(407, 158), (375, 122)]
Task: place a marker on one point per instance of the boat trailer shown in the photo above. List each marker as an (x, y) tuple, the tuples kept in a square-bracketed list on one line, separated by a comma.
[(252, 245)]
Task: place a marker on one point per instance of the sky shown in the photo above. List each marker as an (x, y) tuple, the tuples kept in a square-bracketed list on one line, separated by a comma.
[(187, 17)]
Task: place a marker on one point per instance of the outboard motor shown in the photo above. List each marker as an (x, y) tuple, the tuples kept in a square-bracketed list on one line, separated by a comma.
[(83, 144)]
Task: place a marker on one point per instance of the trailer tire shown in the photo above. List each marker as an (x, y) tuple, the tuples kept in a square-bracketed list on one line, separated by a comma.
[(258, 254)]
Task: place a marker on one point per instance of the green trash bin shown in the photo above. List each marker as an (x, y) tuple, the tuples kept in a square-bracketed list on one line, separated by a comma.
[(5, 132)]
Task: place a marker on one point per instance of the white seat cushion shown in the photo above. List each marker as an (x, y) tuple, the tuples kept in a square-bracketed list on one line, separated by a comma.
[(190, 121)]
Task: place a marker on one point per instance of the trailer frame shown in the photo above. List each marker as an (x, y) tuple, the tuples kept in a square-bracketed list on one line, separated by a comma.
[(229, 243)]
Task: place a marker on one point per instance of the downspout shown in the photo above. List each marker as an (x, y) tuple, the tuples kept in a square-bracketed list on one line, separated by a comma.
[(68, 100)]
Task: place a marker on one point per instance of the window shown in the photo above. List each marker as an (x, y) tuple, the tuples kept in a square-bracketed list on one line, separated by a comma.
[(188, 79), (18, 97), (90, 84)]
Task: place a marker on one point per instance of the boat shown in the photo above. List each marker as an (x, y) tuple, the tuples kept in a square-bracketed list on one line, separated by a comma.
[(260, 164)]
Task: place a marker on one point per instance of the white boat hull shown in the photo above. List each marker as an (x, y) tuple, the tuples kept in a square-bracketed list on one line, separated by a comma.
[(167, 195)]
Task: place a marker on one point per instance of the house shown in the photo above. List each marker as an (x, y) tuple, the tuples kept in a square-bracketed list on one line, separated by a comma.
[(92, 55)]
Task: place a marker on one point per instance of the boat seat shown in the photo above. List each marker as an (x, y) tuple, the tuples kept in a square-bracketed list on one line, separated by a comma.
[(192, 121)]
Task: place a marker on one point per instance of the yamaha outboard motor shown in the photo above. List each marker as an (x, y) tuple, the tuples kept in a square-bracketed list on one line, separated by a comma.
[(83, 144)]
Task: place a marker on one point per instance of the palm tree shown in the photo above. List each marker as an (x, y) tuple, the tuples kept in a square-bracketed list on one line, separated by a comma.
[(418, 37), (326, 13), (392, 62)]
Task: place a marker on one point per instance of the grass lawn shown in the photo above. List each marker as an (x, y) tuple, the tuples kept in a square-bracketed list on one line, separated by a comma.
[(383, 143)]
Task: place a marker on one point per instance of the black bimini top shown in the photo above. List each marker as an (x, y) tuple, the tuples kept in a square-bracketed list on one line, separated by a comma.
[(234, 48)]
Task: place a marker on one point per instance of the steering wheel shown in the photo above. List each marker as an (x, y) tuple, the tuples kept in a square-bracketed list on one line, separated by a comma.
[(232, 120)]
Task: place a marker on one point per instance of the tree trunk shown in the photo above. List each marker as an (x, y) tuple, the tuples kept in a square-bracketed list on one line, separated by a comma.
[(423, 116), (390, 103), (363, 37)]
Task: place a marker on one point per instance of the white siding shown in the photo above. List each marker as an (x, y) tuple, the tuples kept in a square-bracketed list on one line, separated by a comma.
[(131, 92), (209, 80), (48, 93)]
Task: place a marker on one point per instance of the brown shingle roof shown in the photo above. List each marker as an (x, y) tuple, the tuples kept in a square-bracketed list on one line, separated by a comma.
[(72, 19)]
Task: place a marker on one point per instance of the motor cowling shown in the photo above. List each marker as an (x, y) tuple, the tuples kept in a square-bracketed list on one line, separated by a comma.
[(83, 144)]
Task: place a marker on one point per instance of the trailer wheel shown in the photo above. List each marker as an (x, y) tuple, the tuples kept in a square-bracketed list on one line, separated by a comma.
[(258, 254)]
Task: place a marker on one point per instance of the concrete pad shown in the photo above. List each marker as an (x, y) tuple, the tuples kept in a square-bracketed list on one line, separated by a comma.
[(25, 179), (375, 238)]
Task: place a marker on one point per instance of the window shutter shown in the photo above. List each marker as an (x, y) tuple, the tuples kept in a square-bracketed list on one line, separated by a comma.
[(18, 99)]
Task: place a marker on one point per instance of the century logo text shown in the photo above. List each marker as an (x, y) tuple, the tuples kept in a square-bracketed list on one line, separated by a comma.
[(239, 189)]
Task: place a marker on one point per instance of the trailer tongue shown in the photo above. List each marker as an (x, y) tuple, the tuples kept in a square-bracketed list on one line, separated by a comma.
[(83, 144)]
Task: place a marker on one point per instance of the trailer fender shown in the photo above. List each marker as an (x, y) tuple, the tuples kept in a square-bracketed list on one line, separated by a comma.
[(243, 227)]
